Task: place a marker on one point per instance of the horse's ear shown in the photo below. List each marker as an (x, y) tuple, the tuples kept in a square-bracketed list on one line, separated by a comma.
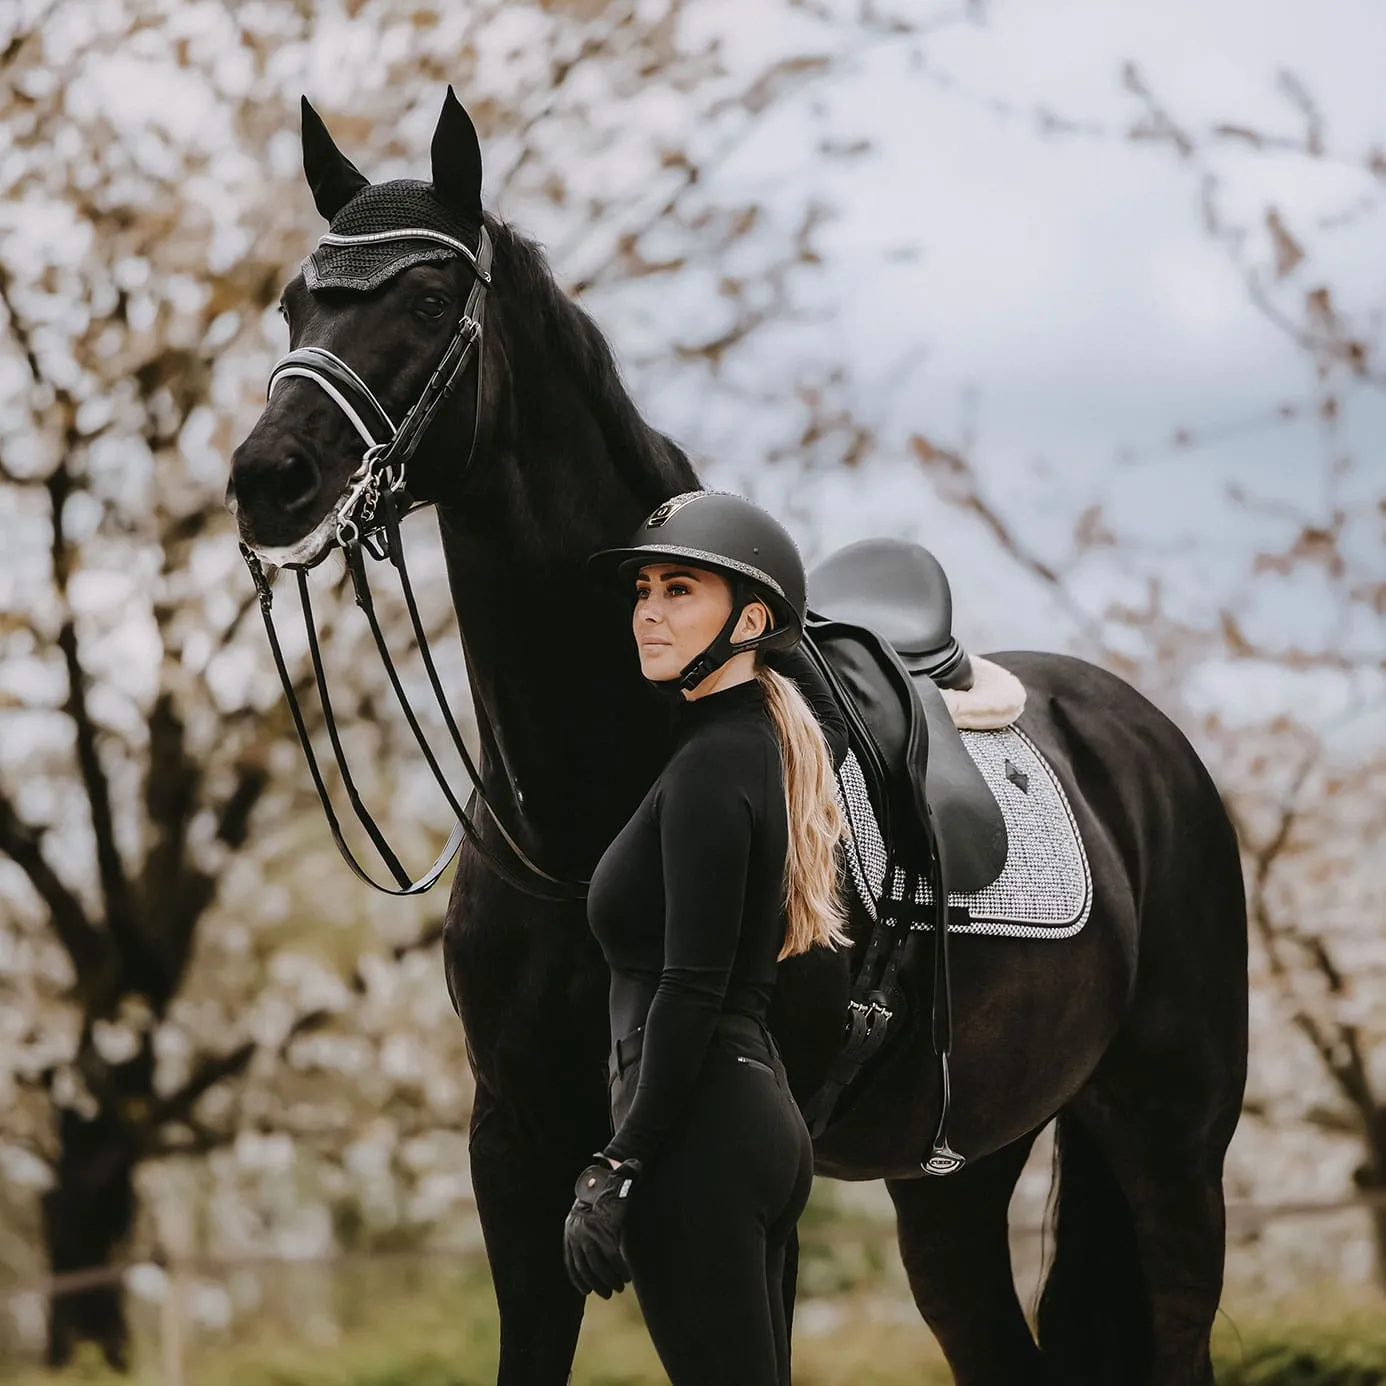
[(457, 161), (334, 179)]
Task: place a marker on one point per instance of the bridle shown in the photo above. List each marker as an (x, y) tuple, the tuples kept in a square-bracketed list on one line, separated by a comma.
[(366, 521)]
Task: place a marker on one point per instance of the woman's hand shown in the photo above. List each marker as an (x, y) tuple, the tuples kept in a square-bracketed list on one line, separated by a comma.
[(592, 1253)]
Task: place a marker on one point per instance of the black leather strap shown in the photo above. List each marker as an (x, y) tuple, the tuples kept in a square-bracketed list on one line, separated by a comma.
[(403, 885), (560, 889), (545, 887), (318, 364)]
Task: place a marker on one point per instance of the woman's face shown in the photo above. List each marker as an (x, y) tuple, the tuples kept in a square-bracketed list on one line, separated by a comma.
[(678, 611)]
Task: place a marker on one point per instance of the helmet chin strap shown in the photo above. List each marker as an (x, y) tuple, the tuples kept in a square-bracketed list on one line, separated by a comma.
[(722, 648)]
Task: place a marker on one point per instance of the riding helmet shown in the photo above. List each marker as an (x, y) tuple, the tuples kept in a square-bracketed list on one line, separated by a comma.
[(731, 536)]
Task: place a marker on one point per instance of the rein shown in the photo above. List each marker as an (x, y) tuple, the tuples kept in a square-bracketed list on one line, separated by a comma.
[(367, 521)]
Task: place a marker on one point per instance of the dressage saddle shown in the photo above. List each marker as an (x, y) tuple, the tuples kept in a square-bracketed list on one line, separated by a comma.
[(880, 617), (880, 630)]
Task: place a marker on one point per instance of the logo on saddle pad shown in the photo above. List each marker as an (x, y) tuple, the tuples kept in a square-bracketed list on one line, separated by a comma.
[(670, 508)]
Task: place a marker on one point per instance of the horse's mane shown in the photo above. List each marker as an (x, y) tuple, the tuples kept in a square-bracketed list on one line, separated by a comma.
[(650, 461)]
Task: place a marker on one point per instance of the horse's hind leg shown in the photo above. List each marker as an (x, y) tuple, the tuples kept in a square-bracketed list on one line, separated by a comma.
[(1139, 1258), (1094, 1320), (954, 1242), (1141, 1146), (1155, 1313)]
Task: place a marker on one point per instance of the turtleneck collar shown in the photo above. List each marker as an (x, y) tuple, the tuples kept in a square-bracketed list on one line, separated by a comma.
[(711, 707)]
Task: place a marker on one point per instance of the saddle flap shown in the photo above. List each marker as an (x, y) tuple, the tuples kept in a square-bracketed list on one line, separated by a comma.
[(967, 817), (916, 749)]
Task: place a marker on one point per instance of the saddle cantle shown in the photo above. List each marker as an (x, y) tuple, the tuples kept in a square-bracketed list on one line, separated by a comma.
[(900, 591), (881, 618)]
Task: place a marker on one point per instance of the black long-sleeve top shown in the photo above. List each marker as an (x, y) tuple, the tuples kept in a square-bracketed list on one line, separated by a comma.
[(687, 902)]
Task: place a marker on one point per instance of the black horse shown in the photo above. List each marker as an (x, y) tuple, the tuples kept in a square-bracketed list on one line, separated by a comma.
[(1132, 1033)]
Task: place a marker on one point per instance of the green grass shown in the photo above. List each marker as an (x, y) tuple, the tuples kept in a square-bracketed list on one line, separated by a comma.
[(433, 1323), (1349, 1351)]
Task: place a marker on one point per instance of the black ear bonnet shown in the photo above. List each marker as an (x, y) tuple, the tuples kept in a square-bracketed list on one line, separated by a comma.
[(375, 231), (384, 229)]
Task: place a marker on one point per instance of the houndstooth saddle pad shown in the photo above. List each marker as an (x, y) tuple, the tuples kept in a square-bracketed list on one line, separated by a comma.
[(1045, 888)]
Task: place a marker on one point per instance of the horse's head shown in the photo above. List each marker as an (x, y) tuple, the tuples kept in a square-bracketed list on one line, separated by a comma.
[(372, 313)]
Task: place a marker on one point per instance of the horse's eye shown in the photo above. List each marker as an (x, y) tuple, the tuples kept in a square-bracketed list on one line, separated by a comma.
[(430, 305)]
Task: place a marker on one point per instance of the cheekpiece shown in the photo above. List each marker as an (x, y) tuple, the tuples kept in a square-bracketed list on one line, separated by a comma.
[(383, 230)]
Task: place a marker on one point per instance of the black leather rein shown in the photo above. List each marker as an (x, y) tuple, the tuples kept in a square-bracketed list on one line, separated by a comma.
[(367, 521)]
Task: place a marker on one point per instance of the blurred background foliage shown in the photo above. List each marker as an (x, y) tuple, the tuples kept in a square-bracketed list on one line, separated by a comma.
[(212, 1042)]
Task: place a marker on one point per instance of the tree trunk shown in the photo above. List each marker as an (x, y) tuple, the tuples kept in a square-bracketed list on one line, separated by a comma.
[(1370, 1178), (1378, 1216), (87, 1218)]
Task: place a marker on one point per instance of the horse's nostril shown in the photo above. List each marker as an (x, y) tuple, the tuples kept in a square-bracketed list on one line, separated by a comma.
[(298, 481)]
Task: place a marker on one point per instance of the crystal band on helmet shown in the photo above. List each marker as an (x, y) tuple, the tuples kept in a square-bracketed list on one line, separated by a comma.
[(705, 558)]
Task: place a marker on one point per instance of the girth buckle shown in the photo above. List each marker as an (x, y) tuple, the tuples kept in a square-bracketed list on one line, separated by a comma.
[(864, 1018)]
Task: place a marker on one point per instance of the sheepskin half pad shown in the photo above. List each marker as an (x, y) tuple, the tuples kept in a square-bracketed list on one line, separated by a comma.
[(995, 699)]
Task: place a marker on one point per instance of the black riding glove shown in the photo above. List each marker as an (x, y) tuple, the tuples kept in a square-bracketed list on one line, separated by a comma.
[(592, 1232)]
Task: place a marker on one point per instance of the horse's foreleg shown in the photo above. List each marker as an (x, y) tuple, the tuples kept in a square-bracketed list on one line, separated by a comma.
[(522, 1196), (954, 1242)]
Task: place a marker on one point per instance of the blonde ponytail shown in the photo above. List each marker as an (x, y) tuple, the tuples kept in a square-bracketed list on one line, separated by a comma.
[(813, 908)]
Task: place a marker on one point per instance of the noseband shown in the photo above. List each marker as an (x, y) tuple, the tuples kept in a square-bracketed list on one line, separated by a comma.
[(367, 521)]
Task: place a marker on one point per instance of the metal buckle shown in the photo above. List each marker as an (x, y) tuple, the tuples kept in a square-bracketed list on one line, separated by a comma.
[(358, 509), (866, 1016)]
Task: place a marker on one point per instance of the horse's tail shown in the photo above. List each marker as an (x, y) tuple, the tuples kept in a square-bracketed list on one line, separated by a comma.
[(1093, 1321)]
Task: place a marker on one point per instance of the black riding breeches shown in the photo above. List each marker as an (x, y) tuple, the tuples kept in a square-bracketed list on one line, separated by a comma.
[(710, 1233)]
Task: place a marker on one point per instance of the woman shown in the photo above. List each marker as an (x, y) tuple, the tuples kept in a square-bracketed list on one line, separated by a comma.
[(727, 866)]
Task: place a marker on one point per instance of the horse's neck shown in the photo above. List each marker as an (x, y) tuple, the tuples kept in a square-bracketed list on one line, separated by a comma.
[(549, 650)]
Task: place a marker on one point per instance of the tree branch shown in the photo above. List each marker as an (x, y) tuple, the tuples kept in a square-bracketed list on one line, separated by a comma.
[(115, 885), (177, 1106), (60, 484), (957, 483), (178, 892), (233, 819), (16, 44), (18, 329), (1322, 333), (1338, 1046), (84, 944), (201, 1140), (170, 793)]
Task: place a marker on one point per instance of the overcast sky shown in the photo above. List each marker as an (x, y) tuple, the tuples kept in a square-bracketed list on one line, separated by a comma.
[(1057, 299), (1060, 296)]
